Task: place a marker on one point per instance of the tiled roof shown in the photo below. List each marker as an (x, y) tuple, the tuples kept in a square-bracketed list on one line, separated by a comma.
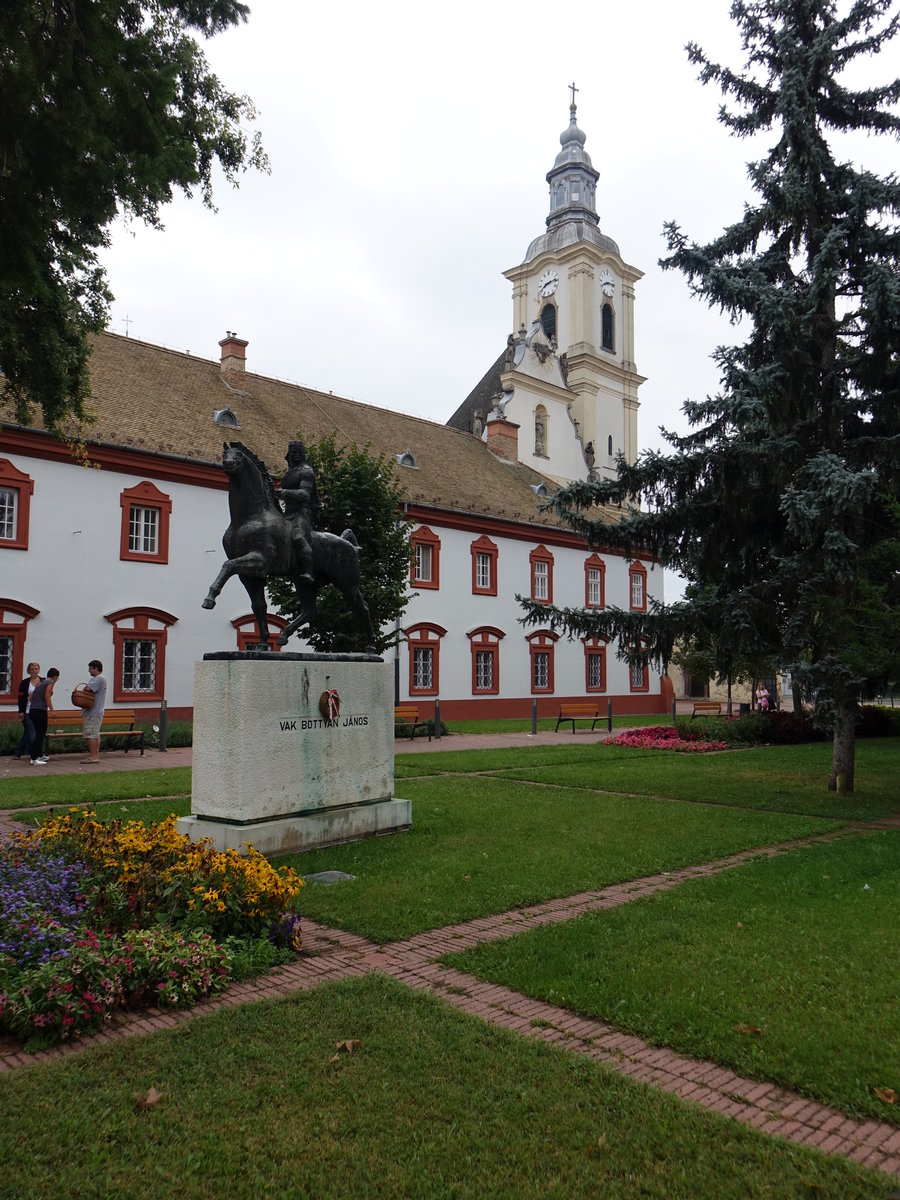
[(162, 401)]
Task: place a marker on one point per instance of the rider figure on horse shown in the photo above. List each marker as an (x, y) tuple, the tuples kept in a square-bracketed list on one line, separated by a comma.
[(300, 497)]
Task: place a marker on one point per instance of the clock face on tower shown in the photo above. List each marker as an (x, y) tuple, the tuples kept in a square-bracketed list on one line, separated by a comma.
[(548, 283), (607, 281)]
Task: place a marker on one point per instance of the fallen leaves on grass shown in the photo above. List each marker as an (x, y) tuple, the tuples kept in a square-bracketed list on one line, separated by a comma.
[(151, 1100), (742, 1028), (347, 1046), (886, 1095)]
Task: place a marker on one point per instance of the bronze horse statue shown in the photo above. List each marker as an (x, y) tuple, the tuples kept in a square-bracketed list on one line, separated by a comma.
[(258, 544)]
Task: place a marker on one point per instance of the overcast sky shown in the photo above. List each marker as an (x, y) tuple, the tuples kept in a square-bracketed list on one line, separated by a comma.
[(409, 146)]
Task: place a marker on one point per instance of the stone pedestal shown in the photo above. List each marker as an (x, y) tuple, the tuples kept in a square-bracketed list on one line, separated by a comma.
[(293, 751)]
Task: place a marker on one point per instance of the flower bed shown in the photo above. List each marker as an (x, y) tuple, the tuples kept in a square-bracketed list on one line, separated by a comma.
[(666, 737), (94, 916)]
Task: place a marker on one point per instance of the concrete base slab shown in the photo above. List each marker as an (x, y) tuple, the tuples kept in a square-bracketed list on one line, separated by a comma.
[(303, 831)]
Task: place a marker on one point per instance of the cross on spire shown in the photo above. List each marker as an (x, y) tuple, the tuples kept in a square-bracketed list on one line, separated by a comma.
[(573, 89)]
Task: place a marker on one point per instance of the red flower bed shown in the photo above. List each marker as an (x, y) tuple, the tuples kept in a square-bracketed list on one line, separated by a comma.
[(666, 737)]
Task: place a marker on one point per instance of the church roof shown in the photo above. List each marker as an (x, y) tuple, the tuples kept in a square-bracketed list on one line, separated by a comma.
[(480, 400), (568, 233), (157, 401)]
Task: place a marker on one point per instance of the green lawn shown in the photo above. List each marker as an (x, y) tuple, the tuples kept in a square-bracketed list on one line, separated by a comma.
[(770, 778), (802, 947), (484, 845), (432, 1104)]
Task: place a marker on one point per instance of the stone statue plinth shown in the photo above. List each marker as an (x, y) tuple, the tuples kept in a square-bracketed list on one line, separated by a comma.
[(293, 751)]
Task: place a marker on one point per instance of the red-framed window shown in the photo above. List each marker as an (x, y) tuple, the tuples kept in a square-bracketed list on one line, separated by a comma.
[(485, 644), (639, 677), (484, 567), (541, 561), (637, 587), (424, 642), (595, 664), (14, 618), (145, 524), (425, 567), (139, 639), (248, 634), (594, 582), (542, 646), (16, 489)]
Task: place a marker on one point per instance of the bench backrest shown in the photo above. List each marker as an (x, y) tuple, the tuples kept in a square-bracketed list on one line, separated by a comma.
[(406, 714), (578, 708), (70, 717)]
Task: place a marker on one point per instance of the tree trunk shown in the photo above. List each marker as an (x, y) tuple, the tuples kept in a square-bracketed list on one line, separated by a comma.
[(844, 748), (728, 708), (797, 696)]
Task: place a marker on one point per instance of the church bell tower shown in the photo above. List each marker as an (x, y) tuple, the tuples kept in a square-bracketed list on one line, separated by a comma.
[(569, 379)]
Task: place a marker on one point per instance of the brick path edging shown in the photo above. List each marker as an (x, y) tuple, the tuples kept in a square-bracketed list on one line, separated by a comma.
[(332, 954)]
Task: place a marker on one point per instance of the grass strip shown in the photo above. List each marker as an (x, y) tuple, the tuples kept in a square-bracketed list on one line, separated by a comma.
[(81, 788), (481, 845), (148, 810), (258, 1101), (797, 948)]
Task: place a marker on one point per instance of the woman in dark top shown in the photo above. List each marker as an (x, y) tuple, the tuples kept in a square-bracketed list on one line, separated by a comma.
[(41, 708)]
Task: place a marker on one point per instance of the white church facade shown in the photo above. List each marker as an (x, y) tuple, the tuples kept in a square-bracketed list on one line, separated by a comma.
[(112, 560)]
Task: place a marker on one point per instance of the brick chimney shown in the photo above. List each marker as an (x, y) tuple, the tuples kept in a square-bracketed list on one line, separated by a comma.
[(503, 438), (234, 358)]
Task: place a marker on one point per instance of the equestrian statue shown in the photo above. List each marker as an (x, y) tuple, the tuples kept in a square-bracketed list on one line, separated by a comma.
[(265, 540)]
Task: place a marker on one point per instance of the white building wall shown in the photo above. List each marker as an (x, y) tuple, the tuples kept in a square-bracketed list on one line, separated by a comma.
[(454, 607)]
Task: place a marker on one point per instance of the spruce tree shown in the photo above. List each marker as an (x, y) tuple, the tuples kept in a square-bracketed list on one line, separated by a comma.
[(779, 505)]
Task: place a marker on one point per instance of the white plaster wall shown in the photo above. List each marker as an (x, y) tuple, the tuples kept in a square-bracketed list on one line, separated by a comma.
[(455, 608), (73, 575), (565, 459)]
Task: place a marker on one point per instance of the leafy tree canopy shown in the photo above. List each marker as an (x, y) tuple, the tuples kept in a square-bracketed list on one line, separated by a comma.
[(106, 106), (358, 490), (780, 503)]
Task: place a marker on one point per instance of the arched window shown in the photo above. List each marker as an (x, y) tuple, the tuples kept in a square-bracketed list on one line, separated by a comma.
[(485, 643), (595, 664), (608, 329), (14, 618), (542, 645), (609, 449), (424, 641), (139, 637), (541, 438), (548, 320), (248, 632)]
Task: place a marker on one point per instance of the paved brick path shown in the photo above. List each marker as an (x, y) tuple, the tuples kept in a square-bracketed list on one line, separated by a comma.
[(331, 954)]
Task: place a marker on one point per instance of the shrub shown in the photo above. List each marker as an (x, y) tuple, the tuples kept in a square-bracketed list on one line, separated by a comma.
[(877, 720), (757, 729)]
